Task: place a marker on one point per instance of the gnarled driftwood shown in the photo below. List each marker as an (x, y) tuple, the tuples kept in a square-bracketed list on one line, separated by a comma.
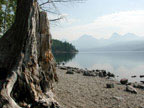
[(27, 67)]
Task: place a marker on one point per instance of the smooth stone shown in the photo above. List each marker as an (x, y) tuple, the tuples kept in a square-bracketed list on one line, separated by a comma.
[(141, 76), (104, 73), (131, 89), (88, 73), (133, 76), (110, 85), (124, 81), (110, 74), (142, 82), (97, 70)]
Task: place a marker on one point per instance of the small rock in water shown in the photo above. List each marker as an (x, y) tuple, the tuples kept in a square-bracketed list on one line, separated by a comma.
[(110, 74), (124, 81), (63, 63), (142, 82), (141, 76), (131, 89), (133, 76), (69, 71), (110, 85), (97, 70), (93, 70)]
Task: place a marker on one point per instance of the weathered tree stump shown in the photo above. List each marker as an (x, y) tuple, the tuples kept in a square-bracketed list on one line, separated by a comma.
[(27, 66)]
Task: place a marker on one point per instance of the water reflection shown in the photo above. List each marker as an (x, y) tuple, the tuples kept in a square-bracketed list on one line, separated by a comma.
[(122, 64), (64, 57)]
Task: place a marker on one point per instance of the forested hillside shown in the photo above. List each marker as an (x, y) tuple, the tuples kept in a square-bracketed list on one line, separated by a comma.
[(62, 47)]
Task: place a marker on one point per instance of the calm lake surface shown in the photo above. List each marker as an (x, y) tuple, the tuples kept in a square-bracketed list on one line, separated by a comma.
[(122, 64)]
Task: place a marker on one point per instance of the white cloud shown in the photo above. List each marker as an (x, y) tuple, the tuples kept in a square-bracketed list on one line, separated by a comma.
[(104, 26)]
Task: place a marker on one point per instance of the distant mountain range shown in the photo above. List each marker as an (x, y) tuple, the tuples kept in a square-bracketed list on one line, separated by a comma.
[(127, 42)]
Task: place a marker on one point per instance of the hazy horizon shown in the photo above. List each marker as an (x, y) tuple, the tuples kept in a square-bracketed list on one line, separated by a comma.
[(117, 42), (64, 39)]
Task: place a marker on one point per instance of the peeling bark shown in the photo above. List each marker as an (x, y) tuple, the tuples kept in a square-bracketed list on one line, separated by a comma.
[(27, 66)]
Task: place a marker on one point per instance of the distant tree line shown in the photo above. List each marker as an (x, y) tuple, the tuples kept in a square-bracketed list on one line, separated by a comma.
[(62, 47)]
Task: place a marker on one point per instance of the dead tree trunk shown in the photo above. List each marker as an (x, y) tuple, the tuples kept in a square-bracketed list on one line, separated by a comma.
[(27, 67)]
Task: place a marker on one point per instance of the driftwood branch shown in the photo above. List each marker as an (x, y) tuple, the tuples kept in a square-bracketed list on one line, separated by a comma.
[(57, 19), (58, 1)]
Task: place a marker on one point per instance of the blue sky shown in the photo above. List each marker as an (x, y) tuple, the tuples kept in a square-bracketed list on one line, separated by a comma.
[(100, 18)]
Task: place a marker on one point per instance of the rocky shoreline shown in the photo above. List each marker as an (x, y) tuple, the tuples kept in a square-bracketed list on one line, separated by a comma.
[(86, 72), (104, 74), (83, 88)]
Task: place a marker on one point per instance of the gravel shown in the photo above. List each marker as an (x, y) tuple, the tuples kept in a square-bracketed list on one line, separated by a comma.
[(78, 91)]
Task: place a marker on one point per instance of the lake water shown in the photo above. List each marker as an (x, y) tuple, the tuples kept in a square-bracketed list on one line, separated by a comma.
[(122, 64)]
